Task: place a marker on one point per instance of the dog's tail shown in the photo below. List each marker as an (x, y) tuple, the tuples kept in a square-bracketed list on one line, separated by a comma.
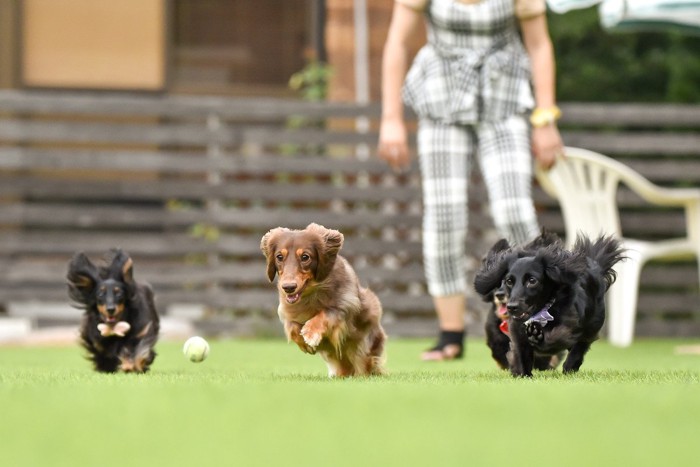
[(606, 251)]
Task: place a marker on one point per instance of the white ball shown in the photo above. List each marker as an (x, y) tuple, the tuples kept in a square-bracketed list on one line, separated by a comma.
[(196, 349)]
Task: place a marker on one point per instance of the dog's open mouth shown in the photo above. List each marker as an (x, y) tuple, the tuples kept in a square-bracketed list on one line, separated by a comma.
[(293, 298), (520, 316)]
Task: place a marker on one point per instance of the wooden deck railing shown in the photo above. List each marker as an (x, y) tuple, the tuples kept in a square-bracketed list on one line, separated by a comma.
[(189, 184)]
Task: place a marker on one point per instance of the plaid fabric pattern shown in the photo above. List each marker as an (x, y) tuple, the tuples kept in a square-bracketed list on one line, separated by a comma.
[(446, 153), (473, 68)]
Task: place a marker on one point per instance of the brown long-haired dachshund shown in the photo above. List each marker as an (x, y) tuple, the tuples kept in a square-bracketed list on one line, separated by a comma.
[(321, 303)]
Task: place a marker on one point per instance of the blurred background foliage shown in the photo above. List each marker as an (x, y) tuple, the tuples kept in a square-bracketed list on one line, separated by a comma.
[(594, 64)]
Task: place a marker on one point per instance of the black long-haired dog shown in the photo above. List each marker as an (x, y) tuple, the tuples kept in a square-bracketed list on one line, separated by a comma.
[(120, 324), (555, 298), (496, 326)]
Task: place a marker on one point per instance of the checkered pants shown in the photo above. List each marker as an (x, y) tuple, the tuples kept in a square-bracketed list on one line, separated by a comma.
[(446, 153)]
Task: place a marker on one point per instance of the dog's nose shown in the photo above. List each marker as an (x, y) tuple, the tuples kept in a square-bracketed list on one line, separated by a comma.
[(500, 296), (512, 308), (289, 288)]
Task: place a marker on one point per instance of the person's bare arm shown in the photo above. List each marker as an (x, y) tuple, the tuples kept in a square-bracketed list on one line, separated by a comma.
[(546, 141), (393, 136)]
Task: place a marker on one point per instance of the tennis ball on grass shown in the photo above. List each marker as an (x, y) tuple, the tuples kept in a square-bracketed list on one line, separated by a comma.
[(196, 349)]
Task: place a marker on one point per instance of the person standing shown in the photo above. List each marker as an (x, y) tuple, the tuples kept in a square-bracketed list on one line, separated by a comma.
[(483, 88)]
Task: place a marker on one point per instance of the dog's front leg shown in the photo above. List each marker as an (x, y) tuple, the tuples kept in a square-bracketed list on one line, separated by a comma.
[(329, 324), (522, 362), (523, 355), (315, 329), (292, 330)]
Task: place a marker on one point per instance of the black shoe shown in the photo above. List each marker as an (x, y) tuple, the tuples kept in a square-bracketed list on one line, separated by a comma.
[(450, 346)]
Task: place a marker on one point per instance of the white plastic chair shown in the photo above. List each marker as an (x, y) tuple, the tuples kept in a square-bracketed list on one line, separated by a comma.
[(585, 184)]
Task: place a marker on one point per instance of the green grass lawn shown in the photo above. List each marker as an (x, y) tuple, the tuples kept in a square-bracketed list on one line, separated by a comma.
[(264, 403)]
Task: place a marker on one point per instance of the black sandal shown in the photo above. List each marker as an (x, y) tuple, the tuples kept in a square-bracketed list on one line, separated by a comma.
[(450, 346)]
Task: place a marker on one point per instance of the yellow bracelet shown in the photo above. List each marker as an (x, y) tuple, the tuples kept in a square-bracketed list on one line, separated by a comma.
[(544, 116)]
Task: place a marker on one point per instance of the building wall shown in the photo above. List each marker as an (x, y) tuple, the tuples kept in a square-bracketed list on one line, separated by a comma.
[(204, 46), (8, 67), (89, 44), (240, 46)]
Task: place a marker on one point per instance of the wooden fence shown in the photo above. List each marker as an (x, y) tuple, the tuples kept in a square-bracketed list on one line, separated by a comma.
[(189, 184)]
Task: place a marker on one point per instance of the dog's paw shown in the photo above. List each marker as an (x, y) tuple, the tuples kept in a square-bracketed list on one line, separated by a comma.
[(306, 348), (293, 331), (127, 365), (534, 332), (311, 338), (313, 330)]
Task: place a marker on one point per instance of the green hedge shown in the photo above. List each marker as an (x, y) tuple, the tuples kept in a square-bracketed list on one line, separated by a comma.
[(594, 64)]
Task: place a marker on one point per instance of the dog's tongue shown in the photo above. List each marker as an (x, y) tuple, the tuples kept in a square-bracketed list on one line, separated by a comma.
[(293, 298), (502, 311)]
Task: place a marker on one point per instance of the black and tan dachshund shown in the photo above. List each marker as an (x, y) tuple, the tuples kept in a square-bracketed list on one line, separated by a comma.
[(120, 324), (556, 298)]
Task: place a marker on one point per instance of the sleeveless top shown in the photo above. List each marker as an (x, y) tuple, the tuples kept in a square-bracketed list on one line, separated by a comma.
[(474, 66)]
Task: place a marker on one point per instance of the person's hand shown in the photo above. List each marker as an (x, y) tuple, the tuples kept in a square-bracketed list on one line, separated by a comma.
[(547, 145), (393, 143)]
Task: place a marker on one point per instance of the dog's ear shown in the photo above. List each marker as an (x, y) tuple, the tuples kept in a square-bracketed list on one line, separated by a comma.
[(120, 265), (492, 272), (82, 277), (561, 266), (267, 246), (128, 270), (496, 250), (499, 246), (331, 243)]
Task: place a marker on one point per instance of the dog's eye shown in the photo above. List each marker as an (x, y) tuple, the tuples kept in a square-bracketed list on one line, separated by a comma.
[(279, 257), (531, 281), (305, 257), (510, 282)]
